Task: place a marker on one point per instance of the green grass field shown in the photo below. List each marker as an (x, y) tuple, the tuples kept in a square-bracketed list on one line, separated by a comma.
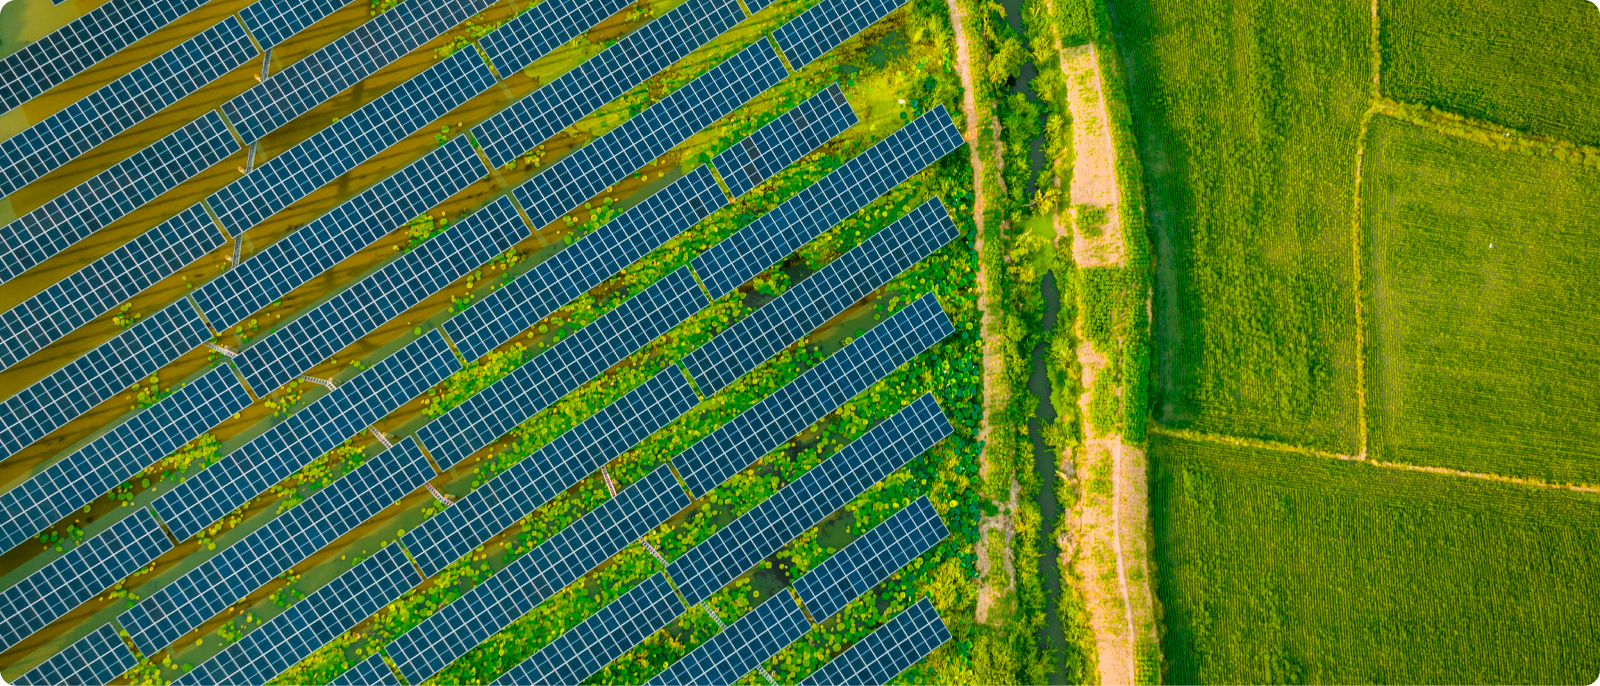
[(1278, 568), (1532, 65), (1483, 348)]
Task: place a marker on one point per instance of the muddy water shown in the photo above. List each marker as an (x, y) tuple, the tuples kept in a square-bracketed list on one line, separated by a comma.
[(1044, 463)]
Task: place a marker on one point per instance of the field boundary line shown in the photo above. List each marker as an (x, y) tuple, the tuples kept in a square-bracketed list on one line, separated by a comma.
[(1356, 223), (1489, 134)]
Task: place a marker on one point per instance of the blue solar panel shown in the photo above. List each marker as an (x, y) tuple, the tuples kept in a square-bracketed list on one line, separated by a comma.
[(353, 225), (99, 287), (552, 469), (91, 205), (783, 140), (354, 139), (600, 79), (805, 502), (80, 574), (545, 27), (817, 392), (221, 580), (271, 21), (122, 103), (868, 560), (537, 293), (308, 625), (383, 295), (267, 459), (370, 672), (829, 201), (887, 652), (583, 650), (107, 370), (820, 297), (522, 585), (94, 659), (93, 470), (742, 647), (565, 366), (826, 25)]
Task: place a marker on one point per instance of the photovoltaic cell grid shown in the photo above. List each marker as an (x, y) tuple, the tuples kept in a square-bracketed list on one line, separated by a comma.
[(91, 205), (826, 25), (99, 287), (109, 369), (122, 103), (868, 560), (534, 33), (783, 140), (94, 659), (887, 652), (561, 369), (820, 297), (584, 649), (738, 649), (79, 575), (271, 21), (224, 578), (537, 293), (396, 287), (265, 460), (369, 672), (489, 509)]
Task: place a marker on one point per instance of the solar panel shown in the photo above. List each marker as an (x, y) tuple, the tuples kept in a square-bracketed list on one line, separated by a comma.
[(741, 647), (354, 312), (784, 140), (888, 651), (506, 595), (267, 459), (164, 616), (353, 225), (827, 202), (272, 21), (111, 194), (547, 26), (99, 287), (538, 292), (80, 574), (868, 560), (820, 297), (122, 103), (308, 625), (584, 649), (826, 25), (578, 358), (810, 397), (369, 672), (355, 138), (93, 470), (804, 503), (94, 659), (107, 370), (557, 466)]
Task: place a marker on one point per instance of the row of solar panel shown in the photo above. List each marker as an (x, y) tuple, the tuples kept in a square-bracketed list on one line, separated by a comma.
[(792, 135), (534, 33), (887, 651)]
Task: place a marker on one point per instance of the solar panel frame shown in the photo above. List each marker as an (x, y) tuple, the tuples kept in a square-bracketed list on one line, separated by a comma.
[(97, 658), (369, 672), (826, 25), (887, 651), (870, 559), (742, 646), (784, 140), (273, 21), (537, 31), (596, 641)]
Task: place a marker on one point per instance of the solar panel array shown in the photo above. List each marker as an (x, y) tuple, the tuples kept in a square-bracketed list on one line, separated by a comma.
[(868, 560), (164, 616), (267, 459), (827, 24), (122, 103), (838, 195), (742, 646), (547, 26), (272, 21), (490, 508), (99, 287), (820, 297), (80, 574), (91, 205), (578, 358), (784, 140), (585, 648), (369, 672), (886, 652), (94, 659), (538, 292)]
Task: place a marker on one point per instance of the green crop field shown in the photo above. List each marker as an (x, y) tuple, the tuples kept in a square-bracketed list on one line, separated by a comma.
[(1532, 65), (1482, 265), (1278, 568)]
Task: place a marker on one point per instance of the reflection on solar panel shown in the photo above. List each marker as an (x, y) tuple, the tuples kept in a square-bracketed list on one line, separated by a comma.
[(537, 293), (381, 296), (805, 502), (820, 297), (565, 366), (742, 646), (107, 370), (826, 25), (354, 139), (80, 574), (528, 581), (265, 460), (370, 672), (838, 195), (783, 140), (63, 53), (584, 649), (271, 21), (868, 560), (887, 652), (308, 625), (557, 466), (91, 205), (534, 33), (94, 659), (819, 391), (122, 103), (316, 247), (173, 611), (99, 287), (93, 470), (600, 79)]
